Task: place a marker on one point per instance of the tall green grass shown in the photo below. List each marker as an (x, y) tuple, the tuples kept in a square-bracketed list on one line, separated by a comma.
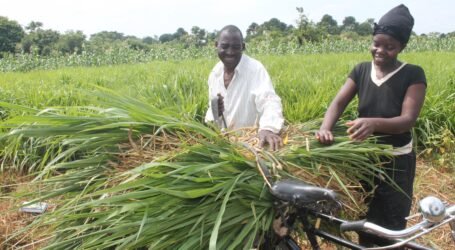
[(306, 84)]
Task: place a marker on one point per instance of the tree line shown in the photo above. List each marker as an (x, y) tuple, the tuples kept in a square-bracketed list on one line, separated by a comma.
[(34, 38)]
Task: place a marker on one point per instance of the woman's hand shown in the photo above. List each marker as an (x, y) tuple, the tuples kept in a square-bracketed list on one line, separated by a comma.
[(325, 136), (360, 128)]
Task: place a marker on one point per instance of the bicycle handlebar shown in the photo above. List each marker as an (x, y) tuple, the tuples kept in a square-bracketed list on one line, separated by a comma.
[(369, 227), (365, 226), (353, 225)]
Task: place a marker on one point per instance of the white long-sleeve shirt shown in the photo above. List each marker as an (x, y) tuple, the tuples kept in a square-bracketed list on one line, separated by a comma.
[(250, 99)]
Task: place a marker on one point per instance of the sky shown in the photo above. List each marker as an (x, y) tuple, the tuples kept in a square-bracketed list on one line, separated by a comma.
[(143, 18)]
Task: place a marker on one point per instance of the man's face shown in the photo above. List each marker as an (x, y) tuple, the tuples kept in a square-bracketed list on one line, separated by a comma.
[(230, 47)]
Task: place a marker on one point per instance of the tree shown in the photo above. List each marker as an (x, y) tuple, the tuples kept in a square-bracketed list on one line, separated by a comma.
[(274, 24), (136, 43), (306, 30), (107, 36), (105, 40), (180, 33), (349, 24), (303, 20), (199, 35), (32, 26), (195, 30), (252, 31), (40, 41), (164, 38), (211, 36), (273, 27), (71, 42), (149, 40), (11, 33), (328, 25), (434, 34), (365, 28)]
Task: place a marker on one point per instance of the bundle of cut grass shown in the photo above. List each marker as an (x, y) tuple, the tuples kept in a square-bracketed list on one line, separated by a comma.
[(133, 176)]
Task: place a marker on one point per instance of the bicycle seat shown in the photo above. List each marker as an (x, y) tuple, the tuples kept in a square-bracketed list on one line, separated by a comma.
[(302, 194)]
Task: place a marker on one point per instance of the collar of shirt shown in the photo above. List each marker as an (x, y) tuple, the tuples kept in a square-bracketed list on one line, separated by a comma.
[(219, 71)]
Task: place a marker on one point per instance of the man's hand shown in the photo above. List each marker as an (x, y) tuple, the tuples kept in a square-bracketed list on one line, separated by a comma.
[(220, 105), (268, 137), (325, 136)]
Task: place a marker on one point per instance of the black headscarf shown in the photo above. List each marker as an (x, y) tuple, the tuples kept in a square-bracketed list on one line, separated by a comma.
[(398, 23)]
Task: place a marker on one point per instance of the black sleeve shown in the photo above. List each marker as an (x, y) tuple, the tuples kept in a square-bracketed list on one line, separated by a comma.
[(359, 72), (356, 73), (417, 76)]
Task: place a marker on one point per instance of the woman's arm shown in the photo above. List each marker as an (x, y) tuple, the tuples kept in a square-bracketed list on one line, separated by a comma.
[(361, 128), (336, 108)]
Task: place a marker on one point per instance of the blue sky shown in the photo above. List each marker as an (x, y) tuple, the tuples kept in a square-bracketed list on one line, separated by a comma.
[(154, 17)]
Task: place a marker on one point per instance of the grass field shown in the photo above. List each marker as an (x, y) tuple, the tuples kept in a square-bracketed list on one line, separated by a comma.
[(59, 126), (306, 84)]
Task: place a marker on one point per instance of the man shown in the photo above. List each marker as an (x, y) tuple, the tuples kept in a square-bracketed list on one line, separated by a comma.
[(245, 91)]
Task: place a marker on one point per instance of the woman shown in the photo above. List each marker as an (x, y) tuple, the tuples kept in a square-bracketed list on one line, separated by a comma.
[(391, 94)]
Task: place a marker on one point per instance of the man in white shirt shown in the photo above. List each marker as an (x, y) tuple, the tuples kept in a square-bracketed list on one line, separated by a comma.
[(246, 95)]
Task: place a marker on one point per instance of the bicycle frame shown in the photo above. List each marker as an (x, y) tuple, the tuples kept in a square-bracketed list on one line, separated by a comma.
[(299, 202), (312, 231)]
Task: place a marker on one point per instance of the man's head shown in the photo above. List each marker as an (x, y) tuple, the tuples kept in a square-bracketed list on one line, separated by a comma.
[(230, 46)]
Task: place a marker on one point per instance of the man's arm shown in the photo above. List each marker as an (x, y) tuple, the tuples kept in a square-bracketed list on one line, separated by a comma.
[(270, 110)]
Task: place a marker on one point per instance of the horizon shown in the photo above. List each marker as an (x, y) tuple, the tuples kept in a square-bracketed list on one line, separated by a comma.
[(129, 19)]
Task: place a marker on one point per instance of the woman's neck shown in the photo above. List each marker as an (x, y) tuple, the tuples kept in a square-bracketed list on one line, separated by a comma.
[(384, 70)]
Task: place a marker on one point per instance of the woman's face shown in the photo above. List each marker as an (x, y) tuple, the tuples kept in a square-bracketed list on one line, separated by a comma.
[(385, 49)]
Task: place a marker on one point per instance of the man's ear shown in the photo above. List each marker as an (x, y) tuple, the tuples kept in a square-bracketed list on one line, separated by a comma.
[(243, 46), (216, 44)]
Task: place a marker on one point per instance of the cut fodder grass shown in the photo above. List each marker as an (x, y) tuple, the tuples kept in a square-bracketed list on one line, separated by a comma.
[(181, 187), (200, 190), (135, 176), (156, 148), (429, 181), (193, 187), (147, 148)]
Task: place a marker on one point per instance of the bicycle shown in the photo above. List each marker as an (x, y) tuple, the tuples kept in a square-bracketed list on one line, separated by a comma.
[(297, 201)]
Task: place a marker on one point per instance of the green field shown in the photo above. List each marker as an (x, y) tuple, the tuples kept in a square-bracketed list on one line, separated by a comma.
[(306, 84), (122, 152)]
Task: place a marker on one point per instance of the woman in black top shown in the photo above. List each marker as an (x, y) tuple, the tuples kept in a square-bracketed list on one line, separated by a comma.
[(391, 94)]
